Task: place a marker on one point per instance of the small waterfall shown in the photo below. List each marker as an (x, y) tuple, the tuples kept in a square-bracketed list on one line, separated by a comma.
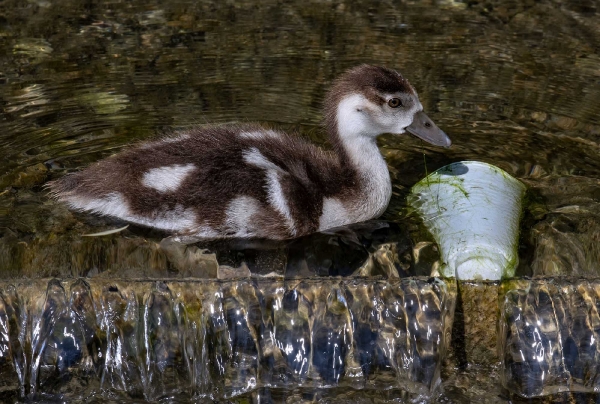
[(218, 339), (550, 330)]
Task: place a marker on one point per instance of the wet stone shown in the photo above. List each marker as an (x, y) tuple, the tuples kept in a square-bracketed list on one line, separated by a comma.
[(374, 248), (30, 176), (189, 260), (227, 272), (245, 258), (83, 312), (474, 333)]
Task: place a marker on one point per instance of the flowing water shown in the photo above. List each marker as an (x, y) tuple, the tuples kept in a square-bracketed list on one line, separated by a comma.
[(219, 339), (514, 83)]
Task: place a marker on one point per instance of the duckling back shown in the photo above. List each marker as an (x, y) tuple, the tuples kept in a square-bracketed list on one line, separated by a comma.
[(231, 181)]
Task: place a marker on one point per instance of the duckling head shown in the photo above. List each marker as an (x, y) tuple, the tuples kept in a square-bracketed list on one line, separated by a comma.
[(368, 101)]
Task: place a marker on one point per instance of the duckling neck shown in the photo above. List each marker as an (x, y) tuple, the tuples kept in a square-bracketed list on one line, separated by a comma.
[(356, 146)]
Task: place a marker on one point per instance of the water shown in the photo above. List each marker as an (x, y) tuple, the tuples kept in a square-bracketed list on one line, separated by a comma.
[(515, 84), (219, 339), (551, 329)]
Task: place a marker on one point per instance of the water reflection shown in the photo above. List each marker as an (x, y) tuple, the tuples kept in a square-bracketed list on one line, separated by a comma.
[(515, 86)]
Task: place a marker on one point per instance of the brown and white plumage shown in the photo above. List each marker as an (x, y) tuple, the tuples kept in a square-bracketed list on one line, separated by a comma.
[(251, 182)]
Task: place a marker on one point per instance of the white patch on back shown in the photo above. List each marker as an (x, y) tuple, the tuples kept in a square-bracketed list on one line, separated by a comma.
[(114, 204), (334, 214), (278, 201), (275, 193), (173, 139), (169, 139), (238, 217), (177, 219), (260, 134), (167, 178), (255, 157)]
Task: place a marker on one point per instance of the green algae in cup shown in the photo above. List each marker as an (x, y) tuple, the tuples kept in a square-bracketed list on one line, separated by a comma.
[(473, 211)]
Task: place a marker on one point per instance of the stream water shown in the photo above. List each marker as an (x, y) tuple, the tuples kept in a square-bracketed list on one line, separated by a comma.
[(514, 83)]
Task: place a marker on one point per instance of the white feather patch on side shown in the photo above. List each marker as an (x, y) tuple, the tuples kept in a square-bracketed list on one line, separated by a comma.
[(275, 192), (255, 157), (334, 214), (169, 139), (238, 217), (263, 134), (278, 201), (173, 139), (114, 204), (178, 219), (167, 178)]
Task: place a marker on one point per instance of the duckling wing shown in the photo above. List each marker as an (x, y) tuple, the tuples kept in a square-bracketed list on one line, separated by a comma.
[(305, 183)]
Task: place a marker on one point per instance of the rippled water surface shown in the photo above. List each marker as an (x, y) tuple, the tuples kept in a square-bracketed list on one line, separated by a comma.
[(514, 83)]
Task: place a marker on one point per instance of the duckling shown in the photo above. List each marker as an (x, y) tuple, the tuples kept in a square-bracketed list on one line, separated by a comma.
[(246, 181)]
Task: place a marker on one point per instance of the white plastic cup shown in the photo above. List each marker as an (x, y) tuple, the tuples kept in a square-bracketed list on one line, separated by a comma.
[(473, 211)]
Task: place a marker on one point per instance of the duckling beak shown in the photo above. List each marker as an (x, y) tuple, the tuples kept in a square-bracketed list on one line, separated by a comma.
[(424, 128)]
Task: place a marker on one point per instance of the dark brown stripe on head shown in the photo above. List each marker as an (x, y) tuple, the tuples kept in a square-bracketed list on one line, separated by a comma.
[(369, 80), (365, 77)]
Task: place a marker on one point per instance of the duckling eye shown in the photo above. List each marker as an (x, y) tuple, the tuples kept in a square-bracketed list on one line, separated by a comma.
[(395, 102)]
